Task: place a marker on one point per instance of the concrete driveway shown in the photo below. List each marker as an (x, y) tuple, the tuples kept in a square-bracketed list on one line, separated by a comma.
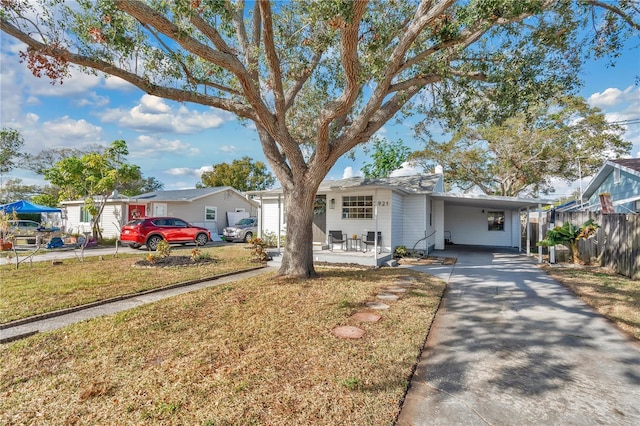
[(511, 346)]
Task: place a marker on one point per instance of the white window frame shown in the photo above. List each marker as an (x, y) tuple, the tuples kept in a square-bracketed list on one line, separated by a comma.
[(84, 214), (491, 225), (357, 206), (207, 210)]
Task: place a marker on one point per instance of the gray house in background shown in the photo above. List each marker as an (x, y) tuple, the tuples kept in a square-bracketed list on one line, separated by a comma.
[(207, 207), (621, 180)]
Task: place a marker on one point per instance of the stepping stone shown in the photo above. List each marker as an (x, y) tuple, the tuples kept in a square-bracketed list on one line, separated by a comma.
[(395, 290), (407, 278), (366, 317), (377, 305), (403, 283), (388, 296), (348, 332)]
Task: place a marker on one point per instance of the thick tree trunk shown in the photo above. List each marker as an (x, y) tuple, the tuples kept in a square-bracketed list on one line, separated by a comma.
[(297, 259)]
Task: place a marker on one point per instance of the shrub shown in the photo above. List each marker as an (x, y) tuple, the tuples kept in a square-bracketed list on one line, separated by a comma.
[(258, 249), (163, 249), (197, 254), (400, 251)]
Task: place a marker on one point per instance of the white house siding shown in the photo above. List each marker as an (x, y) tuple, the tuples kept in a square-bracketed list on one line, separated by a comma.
[(516, 230), (398, 207), (111, 220), (416, 223), (468, 225), (271, 216), (359, 227)]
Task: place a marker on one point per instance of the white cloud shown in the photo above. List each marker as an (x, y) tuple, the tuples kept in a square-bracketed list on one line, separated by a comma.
[(407, 169), (61, 132), (151, 147), (613, 96), (155, 115), (349, 173), (185, 171), (228, 148)]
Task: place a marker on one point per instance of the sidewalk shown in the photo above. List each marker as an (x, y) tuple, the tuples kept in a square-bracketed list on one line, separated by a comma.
[(510, 346)]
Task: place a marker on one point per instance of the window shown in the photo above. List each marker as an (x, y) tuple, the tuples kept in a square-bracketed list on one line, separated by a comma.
[(495, 220), (357, 207), (85, 216), (210, 214), (616, 175)]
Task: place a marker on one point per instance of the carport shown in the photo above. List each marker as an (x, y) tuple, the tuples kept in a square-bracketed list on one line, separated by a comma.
[(482, 220)]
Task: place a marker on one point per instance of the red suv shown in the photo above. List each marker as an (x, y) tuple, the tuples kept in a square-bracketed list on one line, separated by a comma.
[(150, 231)]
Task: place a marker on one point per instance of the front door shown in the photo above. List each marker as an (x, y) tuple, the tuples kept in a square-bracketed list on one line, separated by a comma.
[(136, 211), (320, 219)]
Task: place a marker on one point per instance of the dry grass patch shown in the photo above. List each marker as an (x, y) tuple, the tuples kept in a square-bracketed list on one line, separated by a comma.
[(611, 294), (43, 287), (258, 351)]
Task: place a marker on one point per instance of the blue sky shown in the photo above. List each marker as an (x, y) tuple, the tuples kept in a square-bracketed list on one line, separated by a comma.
[(176, 142)]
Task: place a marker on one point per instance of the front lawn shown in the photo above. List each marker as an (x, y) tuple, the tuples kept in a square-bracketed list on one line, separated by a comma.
[(258, 351), (613, 295), (44, 287)]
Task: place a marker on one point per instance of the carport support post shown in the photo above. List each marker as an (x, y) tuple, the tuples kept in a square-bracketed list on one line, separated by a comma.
[(552, 249), (528, 233), (539, 232)]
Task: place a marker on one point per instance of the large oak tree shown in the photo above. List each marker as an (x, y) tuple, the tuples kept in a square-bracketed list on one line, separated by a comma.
[(563, 139), (317, 78)]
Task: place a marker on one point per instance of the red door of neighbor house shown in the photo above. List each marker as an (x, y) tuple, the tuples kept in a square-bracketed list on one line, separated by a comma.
[(136, 211)]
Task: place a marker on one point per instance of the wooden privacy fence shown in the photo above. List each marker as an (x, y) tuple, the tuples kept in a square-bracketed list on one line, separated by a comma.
[(616, 244)]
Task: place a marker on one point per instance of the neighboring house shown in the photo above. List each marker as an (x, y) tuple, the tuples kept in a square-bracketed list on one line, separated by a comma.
[(621, 180), (206, 207), (413, 211)]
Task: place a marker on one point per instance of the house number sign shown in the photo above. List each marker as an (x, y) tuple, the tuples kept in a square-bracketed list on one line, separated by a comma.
[(383, 203)]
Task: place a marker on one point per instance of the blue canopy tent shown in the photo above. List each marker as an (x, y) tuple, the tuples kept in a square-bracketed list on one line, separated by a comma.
[(23, 206)]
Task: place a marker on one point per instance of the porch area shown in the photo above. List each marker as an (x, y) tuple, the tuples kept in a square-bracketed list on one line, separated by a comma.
[(322, 254)]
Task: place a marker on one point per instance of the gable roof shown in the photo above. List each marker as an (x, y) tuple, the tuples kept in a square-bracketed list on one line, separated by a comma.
[(416, 184), (192, 194), (176, 195), (629, 165)]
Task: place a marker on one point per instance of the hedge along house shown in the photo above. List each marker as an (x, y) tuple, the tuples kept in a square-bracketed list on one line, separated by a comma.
[(410, 211), (206, 207)]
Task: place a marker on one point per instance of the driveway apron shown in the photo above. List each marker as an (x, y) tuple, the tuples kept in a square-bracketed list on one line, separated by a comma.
[(511, 346)]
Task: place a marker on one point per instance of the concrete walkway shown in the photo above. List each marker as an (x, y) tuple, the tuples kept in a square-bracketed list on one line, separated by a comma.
[(510, 346)]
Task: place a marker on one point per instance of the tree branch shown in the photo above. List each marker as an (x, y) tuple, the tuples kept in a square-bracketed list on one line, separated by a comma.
[(610, 7), (351, 65), (145, 85)]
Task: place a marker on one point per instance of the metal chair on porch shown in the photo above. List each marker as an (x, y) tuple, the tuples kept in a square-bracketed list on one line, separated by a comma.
[(337, 237), (370, 240)]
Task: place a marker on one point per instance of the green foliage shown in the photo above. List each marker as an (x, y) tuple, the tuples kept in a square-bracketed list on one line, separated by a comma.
[(319, 78), (569, 235), (400, 252), (243, 175), (11, 142), (526, 152), (197, 254), (387, 156), (270, 239), (93, 176), (163, 249)]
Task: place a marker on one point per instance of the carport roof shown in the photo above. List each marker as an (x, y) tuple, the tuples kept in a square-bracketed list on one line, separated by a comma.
[(489, 201)]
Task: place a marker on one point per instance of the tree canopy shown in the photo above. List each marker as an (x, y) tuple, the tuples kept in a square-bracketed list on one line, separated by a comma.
[(523, 154), (318, 78), (243, 175), (11, 142), (94, 177), (386, 157)]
